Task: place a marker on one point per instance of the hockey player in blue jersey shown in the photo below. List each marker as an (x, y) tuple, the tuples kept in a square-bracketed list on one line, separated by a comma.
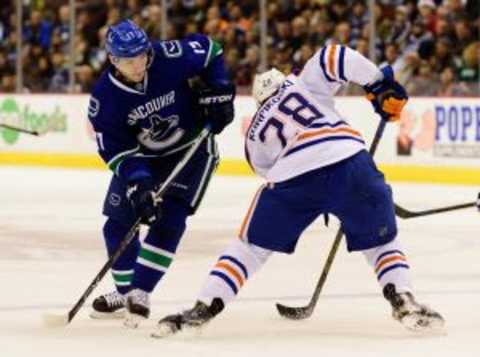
[(145, 116)]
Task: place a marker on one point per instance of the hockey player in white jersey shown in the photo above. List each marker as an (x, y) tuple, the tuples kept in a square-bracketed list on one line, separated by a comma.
[(314, 164)]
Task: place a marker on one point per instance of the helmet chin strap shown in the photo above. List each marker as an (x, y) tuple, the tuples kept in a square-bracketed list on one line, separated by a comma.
[(150, 56)]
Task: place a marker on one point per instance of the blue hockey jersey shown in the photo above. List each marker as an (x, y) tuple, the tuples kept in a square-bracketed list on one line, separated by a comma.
[(155, 118)]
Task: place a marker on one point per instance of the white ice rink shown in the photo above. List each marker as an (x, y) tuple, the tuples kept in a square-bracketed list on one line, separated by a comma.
[(51, 248)]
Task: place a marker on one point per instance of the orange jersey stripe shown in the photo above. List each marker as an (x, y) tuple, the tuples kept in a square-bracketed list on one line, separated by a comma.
[(250, 211), (232, 271), (331, 59), (385, 261), (320, 132)]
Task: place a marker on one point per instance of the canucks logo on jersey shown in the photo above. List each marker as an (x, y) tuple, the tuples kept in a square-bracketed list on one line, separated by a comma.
[(163, 132)]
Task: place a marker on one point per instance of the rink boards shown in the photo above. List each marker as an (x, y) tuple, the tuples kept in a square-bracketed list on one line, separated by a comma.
[(437, 140)]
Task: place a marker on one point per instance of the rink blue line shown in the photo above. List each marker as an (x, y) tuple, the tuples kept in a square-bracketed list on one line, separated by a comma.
[(303, 298)]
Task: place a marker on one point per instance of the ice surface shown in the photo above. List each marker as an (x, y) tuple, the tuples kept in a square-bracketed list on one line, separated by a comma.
[(51, 248)]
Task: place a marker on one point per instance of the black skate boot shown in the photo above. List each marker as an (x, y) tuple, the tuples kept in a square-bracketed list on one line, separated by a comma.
[(409, 313), (109, 306), (138, 308), (196, 317)]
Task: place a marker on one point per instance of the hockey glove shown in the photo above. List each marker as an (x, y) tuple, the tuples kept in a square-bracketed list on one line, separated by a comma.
[(387, 96), (216, 106), (141, 195)]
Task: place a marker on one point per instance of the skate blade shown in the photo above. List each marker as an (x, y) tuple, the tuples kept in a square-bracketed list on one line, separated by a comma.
[(133, 321), (51, 320), (435, 326), (117, 315), (165, 329)]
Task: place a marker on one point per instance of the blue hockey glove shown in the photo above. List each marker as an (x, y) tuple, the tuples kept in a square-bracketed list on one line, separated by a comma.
[(141, 195), (387, 96), (216, 106)]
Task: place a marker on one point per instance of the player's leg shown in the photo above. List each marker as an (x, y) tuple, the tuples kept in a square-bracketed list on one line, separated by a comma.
[(238, 263), (368, 218), (271, 225), (118, 223), (156, 254), (392, 270), (158, 249)]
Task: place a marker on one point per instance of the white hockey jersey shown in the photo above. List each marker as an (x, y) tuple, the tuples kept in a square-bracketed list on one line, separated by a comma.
[(298, 129)]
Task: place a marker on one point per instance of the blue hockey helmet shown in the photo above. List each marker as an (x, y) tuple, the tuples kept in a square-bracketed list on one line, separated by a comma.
[(126, 39)]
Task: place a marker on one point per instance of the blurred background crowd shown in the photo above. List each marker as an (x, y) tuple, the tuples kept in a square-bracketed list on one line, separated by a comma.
[(434, 45)]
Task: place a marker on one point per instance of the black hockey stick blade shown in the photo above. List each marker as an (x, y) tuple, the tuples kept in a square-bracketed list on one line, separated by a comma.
[(295, 313), (405, 214), (304, 312), (20, 130)]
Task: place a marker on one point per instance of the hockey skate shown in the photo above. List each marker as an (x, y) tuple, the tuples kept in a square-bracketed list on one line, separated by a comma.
[(109, 306), (409, 313), (138, 308), (194, 318)]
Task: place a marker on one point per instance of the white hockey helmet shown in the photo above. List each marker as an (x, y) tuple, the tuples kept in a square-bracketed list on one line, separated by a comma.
[(265, 84)]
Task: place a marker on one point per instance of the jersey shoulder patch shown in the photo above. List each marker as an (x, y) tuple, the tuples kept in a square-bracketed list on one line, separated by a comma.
[(172, 49), (93, 107)]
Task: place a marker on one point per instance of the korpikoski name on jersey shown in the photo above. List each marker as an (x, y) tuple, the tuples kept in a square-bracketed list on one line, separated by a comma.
[(157, 117)]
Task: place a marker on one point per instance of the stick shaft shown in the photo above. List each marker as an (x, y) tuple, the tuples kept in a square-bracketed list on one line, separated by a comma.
[(405, 214), (20, 130)]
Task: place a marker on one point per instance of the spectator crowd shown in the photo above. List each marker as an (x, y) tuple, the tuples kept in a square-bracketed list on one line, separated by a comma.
[(433, 45)]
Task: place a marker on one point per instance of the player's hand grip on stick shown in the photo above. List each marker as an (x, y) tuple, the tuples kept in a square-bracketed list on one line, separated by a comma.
[(53, 320), (142, 196), (216, 106), (388, 97)]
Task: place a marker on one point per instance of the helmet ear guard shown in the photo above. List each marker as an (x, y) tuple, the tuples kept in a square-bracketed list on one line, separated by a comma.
[(266, 84)]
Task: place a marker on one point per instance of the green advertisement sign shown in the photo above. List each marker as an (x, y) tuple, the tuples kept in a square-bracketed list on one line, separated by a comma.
[(12, 114)]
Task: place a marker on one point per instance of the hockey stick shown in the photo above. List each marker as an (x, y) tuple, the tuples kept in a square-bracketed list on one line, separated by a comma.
[(300, 313), (405, 214), (20, 130), (54, 320)]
